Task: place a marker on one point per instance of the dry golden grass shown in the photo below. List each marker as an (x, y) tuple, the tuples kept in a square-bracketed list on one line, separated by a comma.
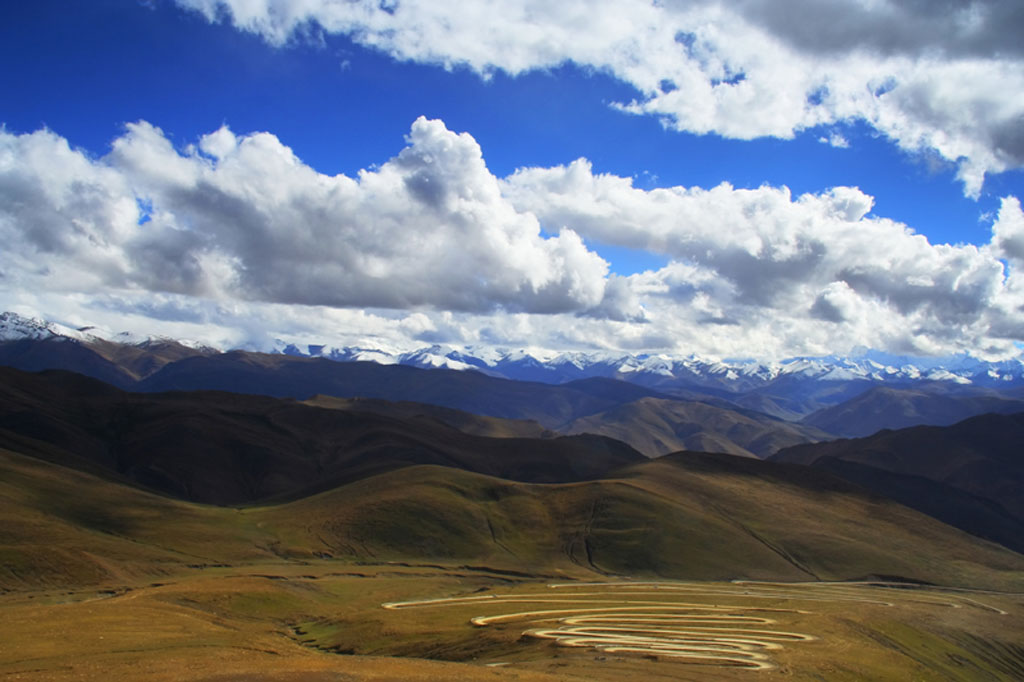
[(100, 581), (281, 622)]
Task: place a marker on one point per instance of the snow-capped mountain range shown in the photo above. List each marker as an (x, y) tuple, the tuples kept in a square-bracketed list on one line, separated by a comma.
[(668, 373), (663, 370), (15, 327)]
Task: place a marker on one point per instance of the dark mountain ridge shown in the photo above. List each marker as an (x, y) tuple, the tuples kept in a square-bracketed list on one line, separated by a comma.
[(301, 378), (854, 404), (226, 448), (885, 407), (970, 474), (577, 406)]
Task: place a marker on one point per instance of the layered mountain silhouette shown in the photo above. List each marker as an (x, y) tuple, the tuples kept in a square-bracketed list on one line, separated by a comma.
[(969, 474), (225, 448), (883, 407), (657, 404), (302, 378), (477, 425), (243, 427), (95, 480), (651, 422), (585, 405)]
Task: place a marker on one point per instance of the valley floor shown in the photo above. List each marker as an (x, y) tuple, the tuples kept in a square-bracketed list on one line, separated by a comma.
[(333, 620)]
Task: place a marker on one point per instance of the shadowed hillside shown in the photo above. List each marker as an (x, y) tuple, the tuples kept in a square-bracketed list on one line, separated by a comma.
[(118, 364), (892, 408), (477, 425), (970, 474), (693, 517), (33, 355), (657, 427), (651, 423), (227, 448), (291, 377)]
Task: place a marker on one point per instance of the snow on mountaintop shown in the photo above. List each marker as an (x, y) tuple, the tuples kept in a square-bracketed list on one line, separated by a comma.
[(132, 339), (437, 357), (14, 327), (665, 370), (660, 370)]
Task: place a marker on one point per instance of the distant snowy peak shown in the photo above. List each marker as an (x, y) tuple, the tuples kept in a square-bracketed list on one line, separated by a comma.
[(15, 327), (439, 357), (660, 371), (668, 371)]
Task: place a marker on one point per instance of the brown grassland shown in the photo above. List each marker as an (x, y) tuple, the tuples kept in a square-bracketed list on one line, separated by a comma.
[(324, 621), (382, 580)]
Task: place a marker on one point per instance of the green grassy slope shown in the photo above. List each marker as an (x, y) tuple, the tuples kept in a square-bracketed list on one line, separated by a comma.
[(693, 517), (61, 527), (697, 516), (970, 474)]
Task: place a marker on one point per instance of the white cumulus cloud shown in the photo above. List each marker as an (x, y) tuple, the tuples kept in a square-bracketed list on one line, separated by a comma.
[(242, 218), (235, 240), (764, 270)]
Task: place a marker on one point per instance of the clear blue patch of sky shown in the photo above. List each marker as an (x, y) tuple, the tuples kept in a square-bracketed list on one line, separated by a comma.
[(624, 261), (86, 68)]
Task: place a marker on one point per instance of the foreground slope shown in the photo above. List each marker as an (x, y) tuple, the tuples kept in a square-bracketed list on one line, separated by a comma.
[(60, 527), (707, 517), (693, 516), (100, 580)]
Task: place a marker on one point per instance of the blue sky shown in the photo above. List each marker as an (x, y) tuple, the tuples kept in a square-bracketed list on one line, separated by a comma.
[(85, 69), (342, 93)]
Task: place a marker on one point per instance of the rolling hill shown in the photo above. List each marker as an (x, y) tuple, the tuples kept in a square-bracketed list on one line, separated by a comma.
[(706, 517), (337, 512), (893, 408), (969, 474), (358, 484), (477, 425), (692, 516), (228, 448), (656, 426)]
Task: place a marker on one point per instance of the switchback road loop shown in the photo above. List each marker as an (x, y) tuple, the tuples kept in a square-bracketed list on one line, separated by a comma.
[(600, 618)]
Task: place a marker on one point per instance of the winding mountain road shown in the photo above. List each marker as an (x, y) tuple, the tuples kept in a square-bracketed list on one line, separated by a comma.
[(650, 618)]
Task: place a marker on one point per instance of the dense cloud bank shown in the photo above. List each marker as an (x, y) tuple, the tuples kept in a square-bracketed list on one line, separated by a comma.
[(813, 269), (243, 218), (945, 77), (237, 232)]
